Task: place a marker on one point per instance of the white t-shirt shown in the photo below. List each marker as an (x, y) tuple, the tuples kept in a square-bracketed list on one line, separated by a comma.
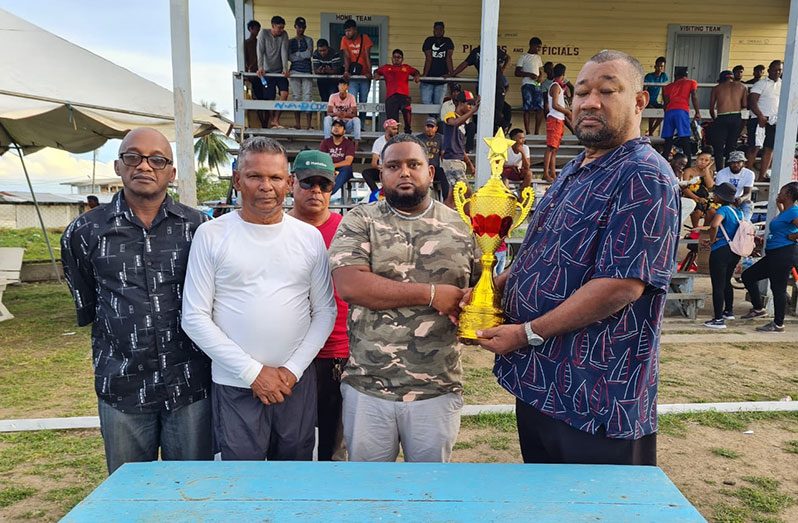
[(258, 295), (379, 143), (515, 160), (741, 180), (530, 63), (769, 92)]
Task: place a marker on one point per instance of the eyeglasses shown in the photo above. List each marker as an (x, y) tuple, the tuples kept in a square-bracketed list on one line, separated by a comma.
[(324, 184), (135, 159)]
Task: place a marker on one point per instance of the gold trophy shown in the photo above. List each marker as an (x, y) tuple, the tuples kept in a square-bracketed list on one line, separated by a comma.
[(493, 213)]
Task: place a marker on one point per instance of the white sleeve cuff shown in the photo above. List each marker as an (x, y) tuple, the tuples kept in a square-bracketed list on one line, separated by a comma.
[(294, 368), (251, 373)]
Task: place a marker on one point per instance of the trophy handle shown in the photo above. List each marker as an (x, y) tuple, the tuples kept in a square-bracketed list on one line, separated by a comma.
[(523, 207), (460, 201)]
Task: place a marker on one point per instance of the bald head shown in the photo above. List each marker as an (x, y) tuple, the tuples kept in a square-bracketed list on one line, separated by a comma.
[(631, 65), (146, 135)]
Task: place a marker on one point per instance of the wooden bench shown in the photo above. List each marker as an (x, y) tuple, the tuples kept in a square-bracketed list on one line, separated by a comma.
[(10, 267)]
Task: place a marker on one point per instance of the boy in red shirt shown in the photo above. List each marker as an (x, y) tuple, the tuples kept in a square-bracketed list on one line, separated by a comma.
[(397, 86), (677, 96)]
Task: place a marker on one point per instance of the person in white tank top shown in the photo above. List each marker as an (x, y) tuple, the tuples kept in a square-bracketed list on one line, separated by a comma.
[(555, 122)]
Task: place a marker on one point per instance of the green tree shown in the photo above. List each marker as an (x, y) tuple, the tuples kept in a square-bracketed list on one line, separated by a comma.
[(212, 149), (209, 187)]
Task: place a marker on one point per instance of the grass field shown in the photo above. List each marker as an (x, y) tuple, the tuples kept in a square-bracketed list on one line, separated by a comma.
[(731, 475), (33, 242)]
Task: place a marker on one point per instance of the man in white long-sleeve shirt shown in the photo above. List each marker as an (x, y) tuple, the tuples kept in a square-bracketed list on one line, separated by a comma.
[(259, 301)]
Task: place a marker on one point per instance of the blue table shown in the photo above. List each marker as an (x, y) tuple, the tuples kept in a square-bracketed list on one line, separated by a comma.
[(409, 492)]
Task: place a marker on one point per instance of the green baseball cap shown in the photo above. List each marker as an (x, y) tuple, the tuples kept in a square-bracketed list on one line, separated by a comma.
[(313, 163)]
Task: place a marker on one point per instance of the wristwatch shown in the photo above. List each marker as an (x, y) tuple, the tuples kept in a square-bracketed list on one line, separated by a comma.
[(533, 339)]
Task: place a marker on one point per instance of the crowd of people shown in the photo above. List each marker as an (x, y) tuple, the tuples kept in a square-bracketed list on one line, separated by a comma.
[(241, 335)]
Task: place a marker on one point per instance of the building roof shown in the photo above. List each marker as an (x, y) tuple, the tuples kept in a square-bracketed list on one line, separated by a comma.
[(47, 198), (83, 182)]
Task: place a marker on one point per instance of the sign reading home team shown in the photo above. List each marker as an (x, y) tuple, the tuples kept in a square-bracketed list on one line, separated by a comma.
[(356, 18)]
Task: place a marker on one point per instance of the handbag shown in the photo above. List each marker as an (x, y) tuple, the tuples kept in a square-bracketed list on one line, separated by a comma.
[(356, 67)]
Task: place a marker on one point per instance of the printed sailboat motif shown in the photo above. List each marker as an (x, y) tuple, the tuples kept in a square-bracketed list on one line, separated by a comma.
[(553, 403)]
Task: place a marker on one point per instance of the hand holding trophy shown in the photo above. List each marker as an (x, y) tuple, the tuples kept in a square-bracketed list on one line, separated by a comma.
[(493, 213)]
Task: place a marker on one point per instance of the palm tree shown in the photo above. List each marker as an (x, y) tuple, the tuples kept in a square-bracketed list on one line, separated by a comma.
[(211, 149)]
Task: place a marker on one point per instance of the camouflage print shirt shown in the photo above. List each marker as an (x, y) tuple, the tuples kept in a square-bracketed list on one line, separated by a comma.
[(410, 353)]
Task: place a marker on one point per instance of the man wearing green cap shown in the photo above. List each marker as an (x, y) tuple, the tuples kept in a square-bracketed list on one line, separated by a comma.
[(313, 179), (258, 299)]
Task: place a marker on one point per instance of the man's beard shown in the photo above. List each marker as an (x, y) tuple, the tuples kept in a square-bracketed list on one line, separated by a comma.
[(600, 138), (405, 202)]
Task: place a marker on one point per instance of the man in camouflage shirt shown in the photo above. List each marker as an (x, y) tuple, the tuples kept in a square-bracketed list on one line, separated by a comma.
[(402, 264)]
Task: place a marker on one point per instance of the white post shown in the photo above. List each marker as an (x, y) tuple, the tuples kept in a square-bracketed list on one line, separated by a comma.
[(487, 85), (787, 123), (239, 117), (181, 85)]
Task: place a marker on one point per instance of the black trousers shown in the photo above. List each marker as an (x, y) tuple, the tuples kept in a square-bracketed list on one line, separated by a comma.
[(721, 270), (327, 87), (371, 177), (776, 267), (547, 440), (247, 430), (723, 135), (330, 402), (683, 142)]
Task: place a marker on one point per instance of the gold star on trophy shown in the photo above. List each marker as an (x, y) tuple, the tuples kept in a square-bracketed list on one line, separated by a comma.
[(499, 144)]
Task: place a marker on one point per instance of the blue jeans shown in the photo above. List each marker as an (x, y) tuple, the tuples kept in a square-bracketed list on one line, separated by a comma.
[(360, 90), (748, 209), (432, 93), (344, 175), (352, 127), (183, 434)]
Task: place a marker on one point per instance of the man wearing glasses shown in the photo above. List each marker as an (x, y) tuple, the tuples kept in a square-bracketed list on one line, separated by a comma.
[(313, 177), (259, 301), (125, 263)]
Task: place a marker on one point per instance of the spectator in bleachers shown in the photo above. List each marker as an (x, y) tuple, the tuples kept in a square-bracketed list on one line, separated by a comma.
[(273, 58), (730, 96), (251, 66), (722, 260), (312, 191), (433, 140), (658, 76), (517, 167), (329, 62), (737, 72), (342, 105), (759, 70), (559, 113), (699, 180), (530, 69), (372, 175), (502, 58), (342, 151), (356, 48), (455, 161), (741, 178), (438, 51), (781, 255), (300, 51), (763, 102), (677, 96), (397, 86)]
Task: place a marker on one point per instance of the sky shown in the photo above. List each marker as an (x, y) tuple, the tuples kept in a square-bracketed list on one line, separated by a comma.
[(134, 35)]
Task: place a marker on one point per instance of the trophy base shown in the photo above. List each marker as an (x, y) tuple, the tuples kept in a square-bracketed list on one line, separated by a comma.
[(472, 321)]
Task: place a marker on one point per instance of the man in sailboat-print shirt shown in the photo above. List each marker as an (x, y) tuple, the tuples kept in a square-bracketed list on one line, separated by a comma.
[(584, 299)]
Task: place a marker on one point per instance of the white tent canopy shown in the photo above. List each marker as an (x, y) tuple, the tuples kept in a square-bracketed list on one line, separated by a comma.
[(54, 93)]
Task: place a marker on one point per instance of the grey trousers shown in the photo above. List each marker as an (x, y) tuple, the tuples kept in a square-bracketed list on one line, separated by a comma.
[(374, 427), (246, 429)]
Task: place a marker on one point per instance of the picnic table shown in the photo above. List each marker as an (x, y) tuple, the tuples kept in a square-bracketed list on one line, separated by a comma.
[(409, 492)]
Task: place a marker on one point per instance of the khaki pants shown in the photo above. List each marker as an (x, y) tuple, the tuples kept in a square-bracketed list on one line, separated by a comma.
[(374, 427)]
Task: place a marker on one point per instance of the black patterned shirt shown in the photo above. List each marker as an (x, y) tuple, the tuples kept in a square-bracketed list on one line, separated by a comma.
[(127, 280)]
